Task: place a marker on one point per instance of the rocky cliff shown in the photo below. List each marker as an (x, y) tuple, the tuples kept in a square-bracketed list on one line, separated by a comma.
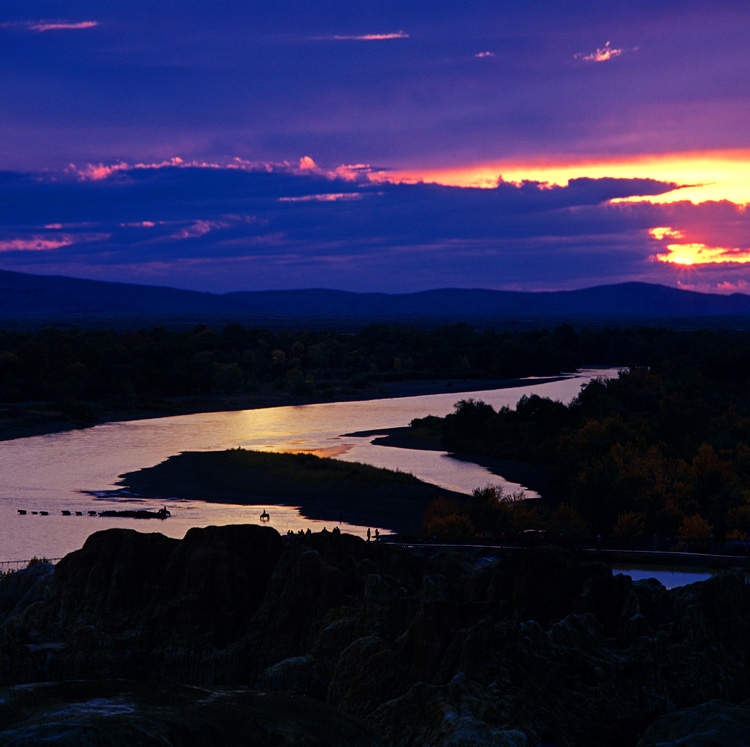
[(369, 642)]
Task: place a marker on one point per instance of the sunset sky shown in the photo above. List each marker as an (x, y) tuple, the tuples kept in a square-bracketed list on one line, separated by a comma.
[(387, 146)]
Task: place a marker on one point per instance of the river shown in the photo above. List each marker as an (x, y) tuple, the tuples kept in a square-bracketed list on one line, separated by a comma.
[(77, 470)]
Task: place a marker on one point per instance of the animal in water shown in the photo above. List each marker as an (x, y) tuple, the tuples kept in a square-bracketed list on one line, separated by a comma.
[(265, 516)]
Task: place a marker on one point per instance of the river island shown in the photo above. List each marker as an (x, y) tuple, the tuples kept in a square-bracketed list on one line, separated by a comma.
[(323, 489)]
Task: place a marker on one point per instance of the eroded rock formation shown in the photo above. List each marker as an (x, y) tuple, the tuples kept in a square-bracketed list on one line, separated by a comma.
[(445, 650)]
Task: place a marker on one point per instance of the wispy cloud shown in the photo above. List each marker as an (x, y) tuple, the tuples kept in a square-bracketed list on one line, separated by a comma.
[(35, 244), (97, 172), (601, 55), (366, 37), (328, 197), (197, 229), (48, 242), (305, 165), (93, 172), (63, 25), (49, 25)]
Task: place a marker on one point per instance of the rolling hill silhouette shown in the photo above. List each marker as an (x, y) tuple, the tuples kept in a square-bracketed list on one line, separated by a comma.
[(23, 294)]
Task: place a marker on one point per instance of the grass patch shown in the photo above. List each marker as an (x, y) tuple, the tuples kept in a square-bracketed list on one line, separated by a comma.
[(321, 487), (309, 469)]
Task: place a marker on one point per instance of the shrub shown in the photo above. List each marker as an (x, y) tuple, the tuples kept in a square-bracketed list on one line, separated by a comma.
[(436, 518), (450, 528), (695, 527)]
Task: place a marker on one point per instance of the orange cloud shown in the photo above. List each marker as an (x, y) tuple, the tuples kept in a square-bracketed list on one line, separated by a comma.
[(307, 164), (708, 176), (351, 171), (740, 286), (666, 232), (97, 172), (693, 252), (601, 55)]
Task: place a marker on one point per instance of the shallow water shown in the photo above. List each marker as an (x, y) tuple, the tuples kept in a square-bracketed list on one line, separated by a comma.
[(74, 470), (667, 577)]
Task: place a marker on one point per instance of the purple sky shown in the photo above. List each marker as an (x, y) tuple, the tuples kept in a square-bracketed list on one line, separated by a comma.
[(252, 145)]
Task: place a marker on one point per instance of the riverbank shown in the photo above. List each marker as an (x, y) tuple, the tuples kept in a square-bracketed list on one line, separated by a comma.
[(323, 489), (23, 420), (531, 476)]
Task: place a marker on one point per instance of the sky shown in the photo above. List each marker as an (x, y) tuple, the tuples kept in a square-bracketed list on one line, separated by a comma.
[(377, 146)]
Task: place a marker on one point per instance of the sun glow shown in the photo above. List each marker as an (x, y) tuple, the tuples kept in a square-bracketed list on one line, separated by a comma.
[(706, 176), (695, 253)]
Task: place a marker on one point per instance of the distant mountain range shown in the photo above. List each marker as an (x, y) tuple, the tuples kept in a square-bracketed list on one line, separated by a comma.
[(48, 296)]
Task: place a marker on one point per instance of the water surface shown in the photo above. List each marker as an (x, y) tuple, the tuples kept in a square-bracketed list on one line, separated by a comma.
[(74, 470), (667, 577)]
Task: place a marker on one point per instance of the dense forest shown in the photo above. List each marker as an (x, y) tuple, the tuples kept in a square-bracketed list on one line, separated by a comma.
[(59, 365), (73, 369), (659, 454), (94, 365)]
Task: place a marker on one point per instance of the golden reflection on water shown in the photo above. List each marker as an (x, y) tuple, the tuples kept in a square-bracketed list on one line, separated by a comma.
[(271, 421)]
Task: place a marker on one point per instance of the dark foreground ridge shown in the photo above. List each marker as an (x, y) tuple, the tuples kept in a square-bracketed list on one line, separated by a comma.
[(236, 635)]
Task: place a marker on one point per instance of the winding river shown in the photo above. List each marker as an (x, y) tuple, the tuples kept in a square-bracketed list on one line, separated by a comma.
[(76, 470)]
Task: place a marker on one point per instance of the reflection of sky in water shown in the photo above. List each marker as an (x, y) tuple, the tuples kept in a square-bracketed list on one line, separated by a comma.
[(55, 535), (51, 472), (667, 577)]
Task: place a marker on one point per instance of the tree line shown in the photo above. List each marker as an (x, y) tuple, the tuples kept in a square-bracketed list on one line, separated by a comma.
[(74, 367), (662, 452)]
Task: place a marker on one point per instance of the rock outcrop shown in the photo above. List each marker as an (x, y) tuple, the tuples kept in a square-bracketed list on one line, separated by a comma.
[(713, 724), (533, 649), (122, 714)]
